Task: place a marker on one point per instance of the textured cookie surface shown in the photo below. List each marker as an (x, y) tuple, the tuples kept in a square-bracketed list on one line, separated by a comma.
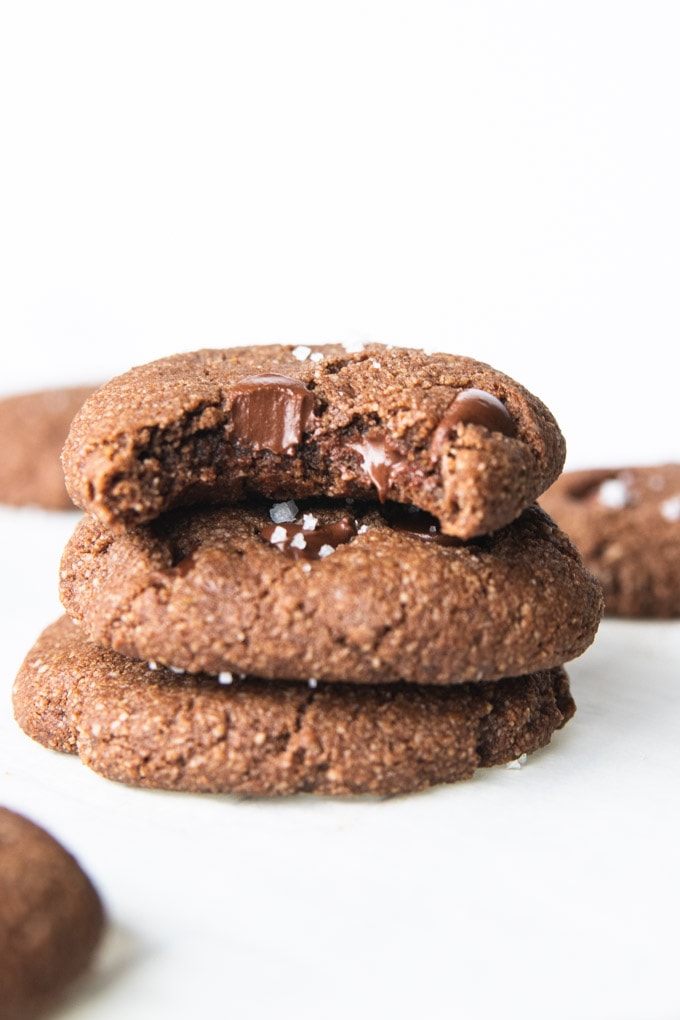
[(51, 918), (446, 433), (33, 427), (258, 737), (626, 524), (211, 590)]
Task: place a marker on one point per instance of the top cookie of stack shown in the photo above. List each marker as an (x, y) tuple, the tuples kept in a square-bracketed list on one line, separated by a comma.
[(444, 433)]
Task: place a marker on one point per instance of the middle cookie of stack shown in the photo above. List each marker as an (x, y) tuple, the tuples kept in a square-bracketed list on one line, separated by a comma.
[(338, 593)]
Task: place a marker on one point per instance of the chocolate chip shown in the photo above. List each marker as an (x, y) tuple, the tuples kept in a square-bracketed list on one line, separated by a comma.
[(417, 522), (379, 460), (271, 412), (473, 407)]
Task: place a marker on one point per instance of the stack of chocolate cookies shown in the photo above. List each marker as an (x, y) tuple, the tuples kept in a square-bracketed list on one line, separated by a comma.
[(310, 569)]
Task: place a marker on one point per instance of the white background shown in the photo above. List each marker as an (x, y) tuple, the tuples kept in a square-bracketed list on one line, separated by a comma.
[(495, 179)]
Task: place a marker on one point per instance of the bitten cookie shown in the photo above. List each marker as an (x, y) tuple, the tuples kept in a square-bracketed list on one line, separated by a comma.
[(255, 737), (51, 918), (626, 524), (448, 434), (337, 593), (33, 427)]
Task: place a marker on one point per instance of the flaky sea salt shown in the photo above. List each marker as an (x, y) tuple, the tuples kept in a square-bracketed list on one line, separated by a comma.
[(153, 665), (517, 763), (316, 356), (301, 352), (613, 494), (278, 535), (309, 522), (670, 509), (312, 682), (362, 529), (353, 346), (282, 513), (225, 678), (325, 550), (298, 541)]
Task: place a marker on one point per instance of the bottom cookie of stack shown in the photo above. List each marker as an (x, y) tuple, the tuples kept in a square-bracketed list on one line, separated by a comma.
[(194, 732)]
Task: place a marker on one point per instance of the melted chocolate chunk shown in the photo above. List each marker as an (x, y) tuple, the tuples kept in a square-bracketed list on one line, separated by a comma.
[(271, 412), (380, 460), (417, 522), (473, 407), (306, 544)]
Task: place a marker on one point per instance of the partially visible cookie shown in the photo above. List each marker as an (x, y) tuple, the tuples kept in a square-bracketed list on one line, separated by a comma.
[(33, 427), (626, 524), (446, 433), (51, 918), (261, 738), (342, 592)]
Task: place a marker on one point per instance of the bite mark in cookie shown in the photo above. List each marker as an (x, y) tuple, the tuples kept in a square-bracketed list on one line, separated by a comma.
[(445, 433)]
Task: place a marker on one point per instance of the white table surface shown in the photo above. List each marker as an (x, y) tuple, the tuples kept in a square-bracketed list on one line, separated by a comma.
[(496, 179)]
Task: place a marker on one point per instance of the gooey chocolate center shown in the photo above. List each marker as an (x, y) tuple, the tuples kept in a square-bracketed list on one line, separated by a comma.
[(301, 543)]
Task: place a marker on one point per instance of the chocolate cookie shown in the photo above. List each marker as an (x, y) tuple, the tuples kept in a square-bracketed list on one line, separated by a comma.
[(340, 592), (33, 427), (626, 524), (445, 433), (51, 918), (157, 729)]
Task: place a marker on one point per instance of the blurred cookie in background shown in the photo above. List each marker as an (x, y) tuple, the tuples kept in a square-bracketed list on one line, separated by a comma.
[(51, 918), (33, 427), (625, 522)]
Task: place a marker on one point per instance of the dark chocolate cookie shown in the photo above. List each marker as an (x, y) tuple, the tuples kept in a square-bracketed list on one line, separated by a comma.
[(626, 524), (33, 427), (446, 433), (51, 918), (343, 592), (157, 729)]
